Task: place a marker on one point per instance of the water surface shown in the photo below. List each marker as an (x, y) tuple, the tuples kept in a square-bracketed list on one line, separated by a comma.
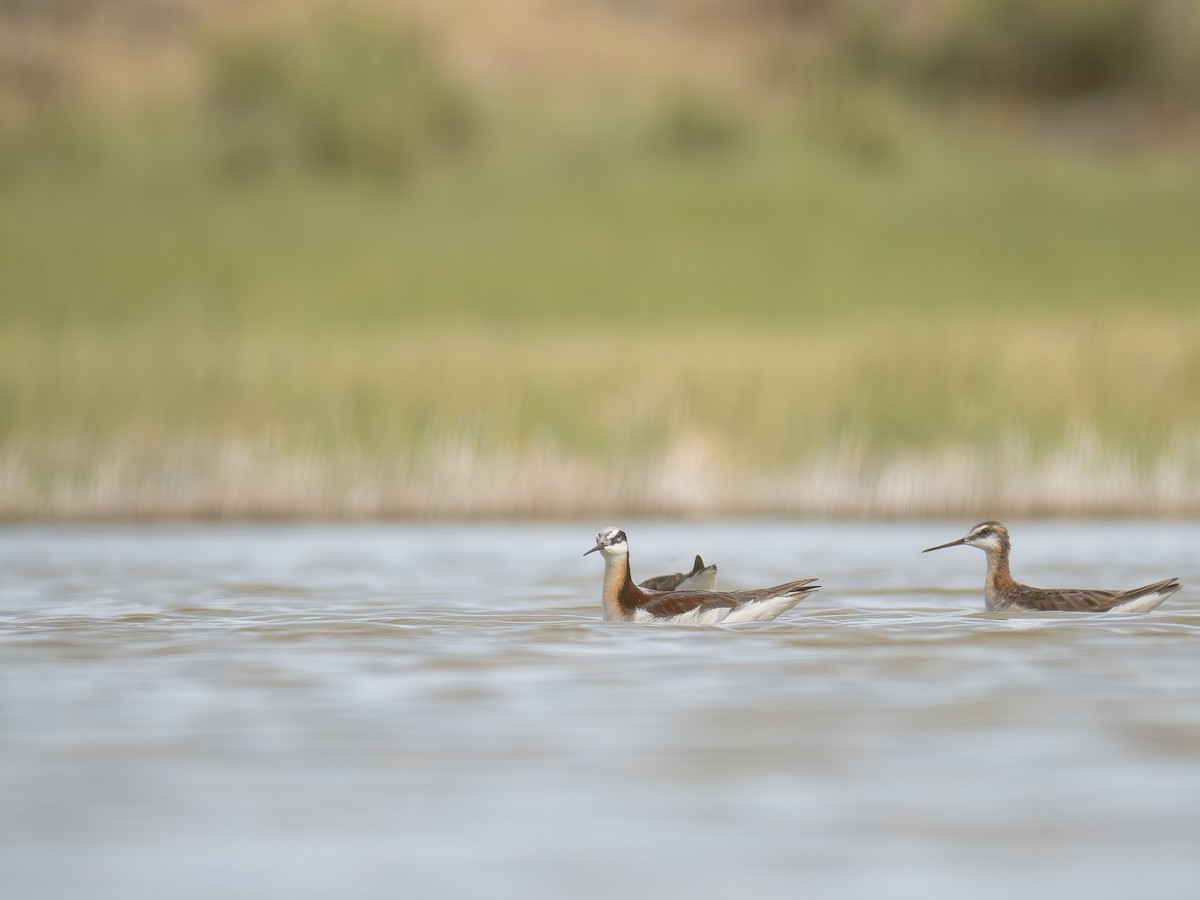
[(414, 710)]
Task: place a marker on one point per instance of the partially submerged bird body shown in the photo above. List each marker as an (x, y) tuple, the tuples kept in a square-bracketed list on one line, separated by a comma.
[(701, 578), (625, 601), (1022, 596), (1004, 594)]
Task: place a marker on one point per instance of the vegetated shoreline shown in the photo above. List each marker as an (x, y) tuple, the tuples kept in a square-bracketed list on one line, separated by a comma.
[(231, 482), (900, 423)]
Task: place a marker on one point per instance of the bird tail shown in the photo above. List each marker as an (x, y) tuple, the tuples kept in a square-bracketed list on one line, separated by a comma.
[(804, 586)]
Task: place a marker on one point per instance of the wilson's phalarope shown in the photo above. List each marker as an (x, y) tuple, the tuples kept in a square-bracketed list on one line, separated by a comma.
[(701, 578), (624, 600), (1004, 594)]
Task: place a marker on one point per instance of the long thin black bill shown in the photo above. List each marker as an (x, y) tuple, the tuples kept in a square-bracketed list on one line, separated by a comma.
[(961, 540)]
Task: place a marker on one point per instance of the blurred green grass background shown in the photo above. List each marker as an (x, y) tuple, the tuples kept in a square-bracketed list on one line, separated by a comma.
[(340, 263)]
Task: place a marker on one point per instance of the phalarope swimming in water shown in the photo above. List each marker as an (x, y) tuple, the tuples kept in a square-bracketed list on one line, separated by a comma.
[(625, 601), (701, 578), (1005, 594)]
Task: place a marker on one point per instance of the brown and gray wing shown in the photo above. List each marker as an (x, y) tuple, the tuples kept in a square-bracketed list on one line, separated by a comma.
[(803, 586), (677, 603), (663, 582), (1087, 600), (674, 580)]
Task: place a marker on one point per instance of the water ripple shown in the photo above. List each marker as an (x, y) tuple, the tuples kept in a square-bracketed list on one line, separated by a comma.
[(272, 693)]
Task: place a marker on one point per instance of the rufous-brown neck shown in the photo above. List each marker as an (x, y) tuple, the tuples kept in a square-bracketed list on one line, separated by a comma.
[(999, 578), (621, 595)]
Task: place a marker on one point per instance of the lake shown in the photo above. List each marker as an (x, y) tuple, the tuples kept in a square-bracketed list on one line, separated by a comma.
[(437, 710)]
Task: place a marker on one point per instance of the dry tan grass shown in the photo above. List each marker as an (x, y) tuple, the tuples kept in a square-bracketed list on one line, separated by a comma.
[(892, 420), (231, 477)]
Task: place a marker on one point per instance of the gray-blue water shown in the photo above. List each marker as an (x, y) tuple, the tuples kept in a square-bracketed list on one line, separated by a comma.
[(414, 710)]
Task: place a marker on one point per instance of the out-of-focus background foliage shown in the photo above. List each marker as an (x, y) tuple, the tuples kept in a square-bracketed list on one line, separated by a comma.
[(582, 256)]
